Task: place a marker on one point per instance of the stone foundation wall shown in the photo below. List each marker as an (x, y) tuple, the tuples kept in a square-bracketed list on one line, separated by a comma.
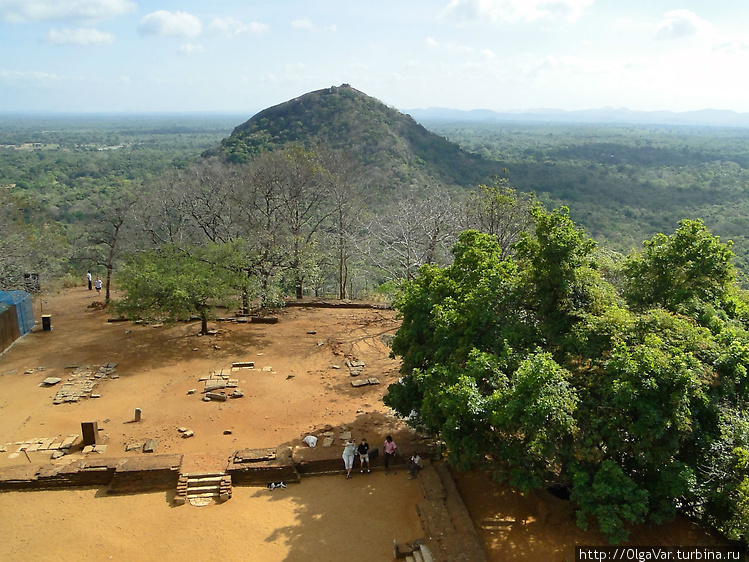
[(247, 467)]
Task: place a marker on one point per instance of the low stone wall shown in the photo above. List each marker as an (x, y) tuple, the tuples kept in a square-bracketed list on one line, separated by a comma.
[(83, 473), (247, 467), (259, 467), (148, 473), (321, 460), (335, 304)]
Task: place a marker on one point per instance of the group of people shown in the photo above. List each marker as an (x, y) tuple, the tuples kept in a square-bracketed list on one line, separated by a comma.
[(351, 450), (93, 284)]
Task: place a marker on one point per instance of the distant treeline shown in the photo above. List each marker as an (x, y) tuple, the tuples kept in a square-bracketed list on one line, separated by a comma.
[(625, 183)]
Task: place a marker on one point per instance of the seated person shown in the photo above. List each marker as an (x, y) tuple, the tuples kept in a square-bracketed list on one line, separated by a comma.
[(414, 465)]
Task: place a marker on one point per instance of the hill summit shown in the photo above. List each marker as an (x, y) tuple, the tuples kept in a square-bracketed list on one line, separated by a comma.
[(343, 118)]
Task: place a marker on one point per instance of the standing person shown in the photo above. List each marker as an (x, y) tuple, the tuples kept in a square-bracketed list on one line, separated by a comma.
[(363, 455), (97, 284), (88, 278), (349, 452), (390, 448)]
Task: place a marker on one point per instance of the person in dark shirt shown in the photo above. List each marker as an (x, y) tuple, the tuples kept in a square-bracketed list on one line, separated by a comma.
[(363, 450)]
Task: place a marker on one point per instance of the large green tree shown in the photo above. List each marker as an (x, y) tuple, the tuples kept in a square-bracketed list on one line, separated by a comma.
[(674, 271), (537, 364), (177, 282)]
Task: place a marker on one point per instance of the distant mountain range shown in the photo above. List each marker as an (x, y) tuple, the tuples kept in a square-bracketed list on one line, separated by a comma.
[(607, 115)]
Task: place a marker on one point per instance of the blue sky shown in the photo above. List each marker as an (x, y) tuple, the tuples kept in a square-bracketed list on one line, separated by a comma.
[(245, 55)]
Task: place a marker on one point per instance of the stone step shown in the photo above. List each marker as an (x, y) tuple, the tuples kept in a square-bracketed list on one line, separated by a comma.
[(198, 489), (203, 495), (207, 480), (203, 485)]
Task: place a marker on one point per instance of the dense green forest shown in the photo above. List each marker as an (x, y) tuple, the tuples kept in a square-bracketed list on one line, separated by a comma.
[(59, 161), (624, 183)]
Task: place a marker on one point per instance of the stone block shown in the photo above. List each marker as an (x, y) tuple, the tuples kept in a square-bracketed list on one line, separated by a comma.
[(90, 432)]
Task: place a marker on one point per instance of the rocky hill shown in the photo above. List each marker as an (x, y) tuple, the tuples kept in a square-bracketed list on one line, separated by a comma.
[(382, 138)]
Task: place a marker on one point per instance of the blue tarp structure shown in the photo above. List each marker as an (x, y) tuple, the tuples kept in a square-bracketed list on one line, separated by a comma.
[(24, 310)]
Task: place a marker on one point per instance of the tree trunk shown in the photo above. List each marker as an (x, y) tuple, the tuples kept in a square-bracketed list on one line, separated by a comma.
[(109, 282), (204, 321), (245, 302)]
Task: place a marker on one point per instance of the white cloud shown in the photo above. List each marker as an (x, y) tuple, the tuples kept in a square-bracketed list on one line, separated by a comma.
[(678, 24), (447, 46), (232, 27), (302, 23), (29, 78), (171, 24), (305, 23), (80, 36), (736, 45), (190, 49), (17, 11), (512, 11)]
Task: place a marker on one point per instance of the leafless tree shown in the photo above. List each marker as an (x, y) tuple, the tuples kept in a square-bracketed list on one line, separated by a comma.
[(161, 214), (417, 229), (499, 210), (27, 244), (209, 197), (108, 232), (346, 197)]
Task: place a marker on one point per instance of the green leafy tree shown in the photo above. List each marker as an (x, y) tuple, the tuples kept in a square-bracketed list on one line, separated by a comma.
[(674, 271), (175, 283), (556, 261), (534, 364), (612, 497)]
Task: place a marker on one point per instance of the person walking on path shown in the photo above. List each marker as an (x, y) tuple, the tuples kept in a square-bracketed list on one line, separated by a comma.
[(349, 452), (390, 449), (88, 278), (97, 284), (363, 455)]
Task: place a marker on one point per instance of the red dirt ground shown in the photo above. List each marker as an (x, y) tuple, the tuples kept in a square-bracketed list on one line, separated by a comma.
[(294, 390)]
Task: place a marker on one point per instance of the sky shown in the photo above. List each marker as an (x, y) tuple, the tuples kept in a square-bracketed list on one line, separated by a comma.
[(241, 56)]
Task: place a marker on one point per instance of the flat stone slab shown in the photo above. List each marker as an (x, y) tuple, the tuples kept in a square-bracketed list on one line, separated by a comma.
[(49, 381), (364, 382), (254, 455), (214, 384)]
